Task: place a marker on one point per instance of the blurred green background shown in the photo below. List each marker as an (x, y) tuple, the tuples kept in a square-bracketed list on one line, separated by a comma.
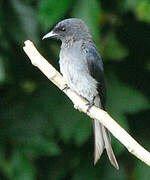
[(42, 137)]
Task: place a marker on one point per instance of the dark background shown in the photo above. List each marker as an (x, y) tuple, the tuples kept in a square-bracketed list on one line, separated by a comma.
[(42, 137)]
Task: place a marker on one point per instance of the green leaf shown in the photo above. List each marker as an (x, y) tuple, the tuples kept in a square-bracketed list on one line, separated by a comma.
[(27, 19), (122, 120), (83, 130), (56, 170), (65, 123), (2, 71), (72, 125), (18, 167), (111, 174), (127, 5), (122, 98), (85, 172), (50, 11), (142, 10), (38, 146), (142, 171), (118, 148), (89, 11), (22, 167), (113, 49)]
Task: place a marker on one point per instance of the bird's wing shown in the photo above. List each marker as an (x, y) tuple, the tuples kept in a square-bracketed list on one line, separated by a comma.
[(95, 67)]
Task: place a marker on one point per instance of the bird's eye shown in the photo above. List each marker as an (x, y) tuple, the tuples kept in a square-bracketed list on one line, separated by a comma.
[(63, 29), (60, 28)]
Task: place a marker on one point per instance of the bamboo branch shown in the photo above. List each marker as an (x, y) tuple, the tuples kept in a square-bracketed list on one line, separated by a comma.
[(79, 103)]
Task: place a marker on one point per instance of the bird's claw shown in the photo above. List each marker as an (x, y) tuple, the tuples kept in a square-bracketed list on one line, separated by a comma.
[(89, 106), (66, 87)]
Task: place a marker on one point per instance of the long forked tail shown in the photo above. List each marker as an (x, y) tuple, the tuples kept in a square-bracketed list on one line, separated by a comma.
[(103, 140)]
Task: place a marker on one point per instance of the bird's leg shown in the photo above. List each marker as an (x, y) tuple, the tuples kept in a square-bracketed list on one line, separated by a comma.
[(90, 104), (66, 87)]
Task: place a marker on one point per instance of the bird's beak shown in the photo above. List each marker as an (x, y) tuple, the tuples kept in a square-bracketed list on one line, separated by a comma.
[(49, 35)]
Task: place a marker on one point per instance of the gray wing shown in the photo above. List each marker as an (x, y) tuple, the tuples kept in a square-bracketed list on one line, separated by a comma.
[(102, 137), (96, 70)]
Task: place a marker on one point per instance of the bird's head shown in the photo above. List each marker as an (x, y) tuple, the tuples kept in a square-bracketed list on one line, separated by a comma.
[(72, 28)]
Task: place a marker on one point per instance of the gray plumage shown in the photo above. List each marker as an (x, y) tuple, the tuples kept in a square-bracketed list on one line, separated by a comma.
[(82, 68)]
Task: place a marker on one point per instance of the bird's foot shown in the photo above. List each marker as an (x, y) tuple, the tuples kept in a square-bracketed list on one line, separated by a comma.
[(66, 87), (90, 104)]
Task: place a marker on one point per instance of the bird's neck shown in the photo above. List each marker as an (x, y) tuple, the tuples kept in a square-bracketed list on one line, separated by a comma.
[(69, 42)]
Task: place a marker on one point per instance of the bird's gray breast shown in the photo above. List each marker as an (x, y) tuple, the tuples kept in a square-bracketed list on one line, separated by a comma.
[(73, 66)]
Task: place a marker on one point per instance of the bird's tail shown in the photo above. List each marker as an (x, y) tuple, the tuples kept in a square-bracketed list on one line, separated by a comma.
[(103, 140)]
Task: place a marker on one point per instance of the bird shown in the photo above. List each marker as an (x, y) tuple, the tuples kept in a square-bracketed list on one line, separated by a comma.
[(82, 68)]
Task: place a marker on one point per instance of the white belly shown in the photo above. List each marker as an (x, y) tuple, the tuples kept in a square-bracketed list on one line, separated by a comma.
[(76, 73)]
